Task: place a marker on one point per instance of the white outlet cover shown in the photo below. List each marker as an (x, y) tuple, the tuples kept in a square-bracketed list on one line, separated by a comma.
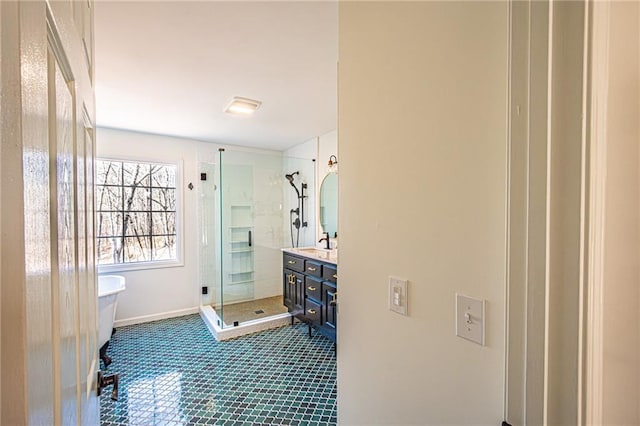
[(398, 295), (470, 318)]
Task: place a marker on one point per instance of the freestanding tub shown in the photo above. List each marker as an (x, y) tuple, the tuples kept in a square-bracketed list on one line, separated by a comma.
[(108, 288)]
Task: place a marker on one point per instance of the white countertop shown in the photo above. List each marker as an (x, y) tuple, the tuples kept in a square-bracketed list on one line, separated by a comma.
[(324, 255)]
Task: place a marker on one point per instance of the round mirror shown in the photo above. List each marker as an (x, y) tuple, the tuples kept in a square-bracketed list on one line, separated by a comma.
[(329, 204)]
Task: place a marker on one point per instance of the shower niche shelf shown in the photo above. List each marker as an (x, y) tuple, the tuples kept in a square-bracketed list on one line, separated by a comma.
[(240, 249)]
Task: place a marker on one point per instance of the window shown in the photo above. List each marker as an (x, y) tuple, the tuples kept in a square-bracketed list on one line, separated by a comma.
[(136, 212)]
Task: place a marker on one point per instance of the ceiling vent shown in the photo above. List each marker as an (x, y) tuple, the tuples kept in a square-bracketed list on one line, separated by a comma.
[(242, 106)]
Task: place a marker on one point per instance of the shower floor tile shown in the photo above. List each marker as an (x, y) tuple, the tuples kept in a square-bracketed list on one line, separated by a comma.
[(254, 309), (173, 372)]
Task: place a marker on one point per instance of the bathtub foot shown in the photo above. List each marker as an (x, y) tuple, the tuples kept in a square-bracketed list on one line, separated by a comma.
[(114, 391), (103, 355), (106, 359), (104, 381)]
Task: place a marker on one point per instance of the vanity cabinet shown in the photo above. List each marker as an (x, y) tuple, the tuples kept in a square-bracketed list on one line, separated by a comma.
[(310, 292)]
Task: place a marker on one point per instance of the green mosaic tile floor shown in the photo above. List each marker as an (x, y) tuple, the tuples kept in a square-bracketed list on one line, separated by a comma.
[(173, 372)]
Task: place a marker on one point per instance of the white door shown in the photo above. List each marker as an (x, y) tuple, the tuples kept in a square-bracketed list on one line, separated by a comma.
[(49, 323), (71, 135)]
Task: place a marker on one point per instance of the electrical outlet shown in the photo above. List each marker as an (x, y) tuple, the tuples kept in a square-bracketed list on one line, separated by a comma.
[(398, 295), (470, 318)]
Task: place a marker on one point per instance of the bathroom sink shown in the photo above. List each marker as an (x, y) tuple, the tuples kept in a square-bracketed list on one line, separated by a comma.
[(321, 254), (312, 250)]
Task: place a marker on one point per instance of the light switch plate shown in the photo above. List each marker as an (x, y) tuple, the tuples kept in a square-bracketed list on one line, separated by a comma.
[(398, 295), (470, 318)]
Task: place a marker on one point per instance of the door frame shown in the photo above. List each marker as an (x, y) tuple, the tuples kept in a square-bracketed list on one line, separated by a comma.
[(540, 311), (597, 132)]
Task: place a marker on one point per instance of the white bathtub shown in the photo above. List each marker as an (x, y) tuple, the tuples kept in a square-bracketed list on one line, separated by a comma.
[(108, 288)]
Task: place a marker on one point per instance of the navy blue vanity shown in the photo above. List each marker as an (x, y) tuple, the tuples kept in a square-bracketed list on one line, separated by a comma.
[(310, 288)]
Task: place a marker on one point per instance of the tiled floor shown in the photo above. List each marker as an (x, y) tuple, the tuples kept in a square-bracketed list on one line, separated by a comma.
[(173, 372), (254, 309)]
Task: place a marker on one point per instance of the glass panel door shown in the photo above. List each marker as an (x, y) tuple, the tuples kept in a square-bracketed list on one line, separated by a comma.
[(252, 221), (236, 231)]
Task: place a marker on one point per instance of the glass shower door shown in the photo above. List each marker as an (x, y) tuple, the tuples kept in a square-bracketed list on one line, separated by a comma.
[(250, 224), (237, 228)]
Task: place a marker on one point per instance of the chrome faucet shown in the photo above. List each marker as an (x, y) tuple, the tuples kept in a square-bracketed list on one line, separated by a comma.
[(326, 238)]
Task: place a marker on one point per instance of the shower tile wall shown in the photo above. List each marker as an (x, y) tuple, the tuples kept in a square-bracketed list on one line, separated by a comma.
[(306, 167), (173, 372), (238, 194), (268, 182)]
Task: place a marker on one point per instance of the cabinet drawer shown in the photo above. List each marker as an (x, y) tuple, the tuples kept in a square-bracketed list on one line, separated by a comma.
[(312, 311), (330, 273), (313, 288), (293, 262), (313, 268)]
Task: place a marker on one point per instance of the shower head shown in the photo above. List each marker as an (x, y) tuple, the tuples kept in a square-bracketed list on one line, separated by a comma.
[(290, 179)]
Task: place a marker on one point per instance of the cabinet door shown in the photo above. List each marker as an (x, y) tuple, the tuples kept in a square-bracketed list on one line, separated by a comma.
[(293, 290), (289, 289), (329, 300), (300, 292)]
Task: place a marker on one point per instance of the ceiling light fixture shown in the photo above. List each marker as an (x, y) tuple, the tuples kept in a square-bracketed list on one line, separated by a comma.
[(242, 106)]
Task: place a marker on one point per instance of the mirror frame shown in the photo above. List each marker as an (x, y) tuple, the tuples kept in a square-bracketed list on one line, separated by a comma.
[(319, 224)]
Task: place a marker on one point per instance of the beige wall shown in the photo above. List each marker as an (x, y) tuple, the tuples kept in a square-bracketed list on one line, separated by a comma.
[(422, 149), (621, 318), (1, 139)]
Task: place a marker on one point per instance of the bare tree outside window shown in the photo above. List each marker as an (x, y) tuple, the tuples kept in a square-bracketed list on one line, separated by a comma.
[(136, 212)]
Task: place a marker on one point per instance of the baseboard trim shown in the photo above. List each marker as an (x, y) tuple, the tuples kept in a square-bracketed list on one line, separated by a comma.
[(156, 317)]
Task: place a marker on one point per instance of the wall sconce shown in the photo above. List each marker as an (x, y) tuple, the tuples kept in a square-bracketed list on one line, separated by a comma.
[(333, 164)]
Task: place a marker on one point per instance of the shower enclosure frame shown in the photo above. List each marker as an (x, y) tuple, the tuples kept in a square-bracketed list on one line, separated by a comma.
[(255, 229)]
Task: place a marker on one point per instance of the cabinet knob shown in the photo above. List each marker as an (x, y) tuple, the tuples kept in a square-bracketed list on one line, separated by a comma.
[(312, 269), (335, 276), (312, 311), (291, 262), (311, 288)]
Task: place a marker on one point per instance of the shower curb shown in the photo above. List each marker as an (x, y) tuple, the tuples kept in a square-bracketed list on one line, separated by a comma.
[(209, 317)]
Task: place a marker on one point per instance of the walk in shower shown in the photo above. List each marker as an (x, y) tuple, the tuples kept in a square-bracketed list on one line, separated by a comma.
[(252, 204)]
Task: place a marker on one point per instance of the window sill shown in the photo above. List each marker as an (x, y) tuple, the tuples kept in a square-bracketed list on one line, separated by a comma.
[(141, 266)]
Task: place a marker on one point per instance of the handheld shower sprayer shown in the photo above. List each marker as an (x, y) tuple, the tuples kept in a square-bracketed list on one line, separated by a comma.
[(299, 211)]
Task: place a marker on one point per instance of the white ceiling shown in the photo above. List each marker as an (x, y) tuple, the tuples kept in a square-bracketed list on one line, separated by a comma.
[(171, 67)]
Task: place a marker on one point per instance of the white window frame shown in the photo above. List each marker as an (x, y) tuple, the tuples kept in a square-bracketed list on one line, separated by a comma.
[(150, 264)]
